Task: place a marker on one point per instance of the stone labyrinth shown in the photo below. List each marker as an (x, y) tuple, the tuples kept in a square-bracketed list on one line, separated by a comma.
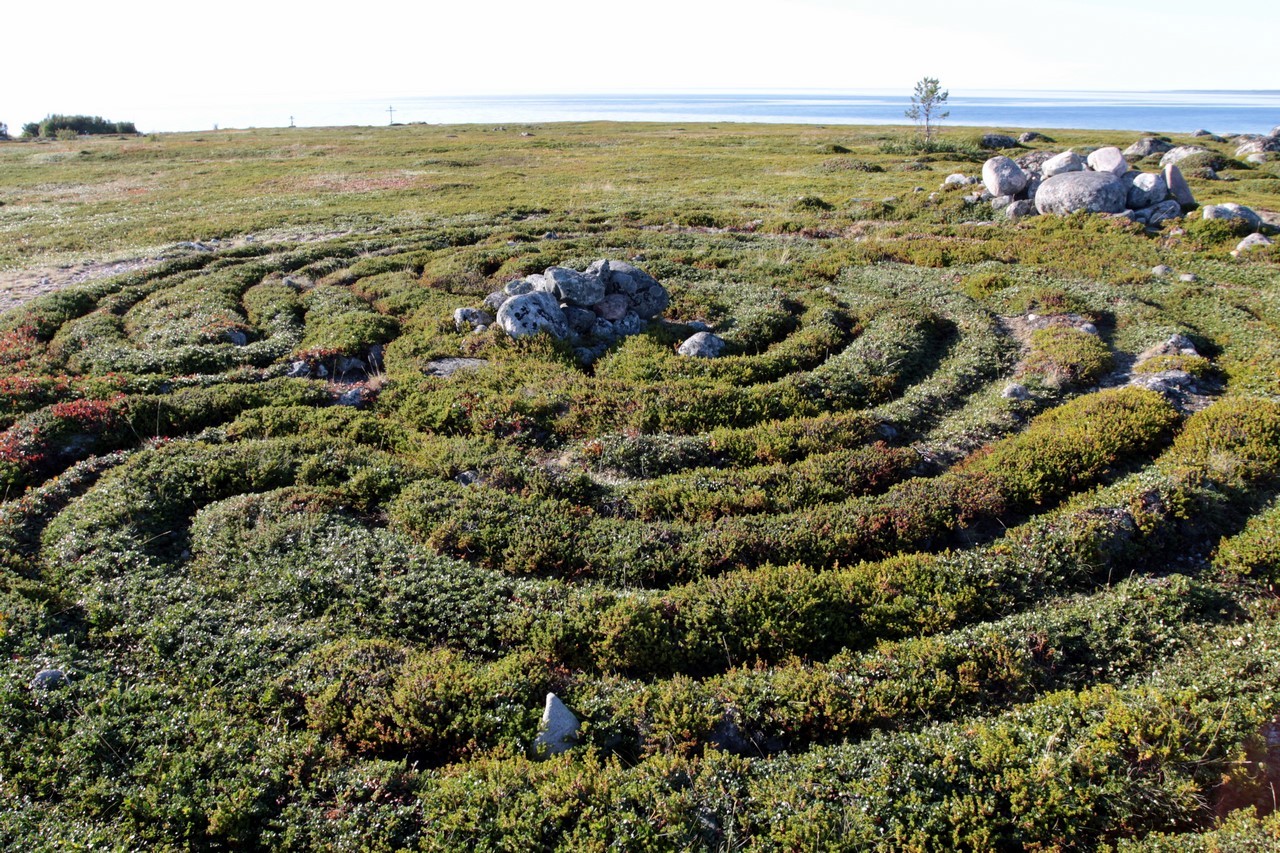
[(286, 550)]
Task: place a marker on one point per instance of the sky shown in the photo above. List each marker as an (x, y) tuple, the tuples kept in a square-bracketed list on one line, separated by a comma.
[(121, 59)]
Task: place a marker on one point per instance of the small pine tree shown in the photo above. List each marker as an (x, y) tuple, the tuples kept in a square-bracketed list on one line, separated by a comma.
[(925, 103)]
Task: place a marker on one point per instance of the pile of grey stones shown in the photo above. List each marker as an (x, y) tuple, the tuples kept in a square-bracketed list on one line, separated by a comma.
[(1044, 182), (594, 308)]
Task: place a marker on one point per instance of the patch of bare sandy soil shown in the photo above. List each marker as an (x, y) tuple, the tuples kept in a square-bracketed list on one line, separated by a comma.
[(21, 286)]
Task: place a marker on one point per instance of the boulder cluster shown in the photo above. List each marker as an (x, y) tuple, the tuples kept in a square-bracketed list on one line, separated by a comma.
[(1102, 181), (593, 308)]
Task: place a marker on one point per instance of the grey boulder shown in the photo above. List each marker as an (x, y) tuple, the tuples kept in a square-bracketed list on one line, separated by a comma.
[(1262, 145), (1253, 241), (1179, 190), (1146, 146), (467, 319), (530, 313), (612, 307), (647, 298), (702, 345), (1231, 211), (1031, 136), (1163, 211), (580, 319), (1180, 153), (1108, 159), (1094, 192), (49, 679), (1002, 176), (1145, 190), (494, 300), (1033, 161), (998, 140), (1021, 210), (1067, 161), (574, 287)]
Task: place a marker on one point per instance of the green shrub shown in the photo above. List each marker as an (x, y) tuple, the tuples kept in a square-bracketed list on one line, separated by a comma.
[(1255, 551), (1067, 356)]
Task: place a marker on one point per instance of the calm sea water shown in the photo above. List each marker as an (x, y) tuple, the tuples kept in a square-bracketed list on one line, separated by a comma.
[(1177, 112)]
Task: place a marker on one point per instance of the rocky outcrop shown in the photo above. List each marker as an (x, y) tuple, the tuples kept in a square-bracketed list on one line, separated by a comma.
[(1095, 192)]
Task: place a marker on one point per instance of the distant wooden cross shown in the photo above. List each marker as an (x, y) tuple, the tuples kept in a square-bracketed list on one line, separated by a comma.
[(391, 111), (290, 121)]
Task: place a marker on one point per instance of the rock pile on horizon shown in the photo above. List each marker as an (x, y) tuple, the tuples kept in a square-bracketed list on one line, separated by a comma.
[(1102, 182)]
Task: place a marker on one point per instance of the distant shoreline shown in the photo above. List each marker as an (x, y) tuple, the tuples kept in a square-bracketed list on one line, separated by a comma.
[(1174, 111)]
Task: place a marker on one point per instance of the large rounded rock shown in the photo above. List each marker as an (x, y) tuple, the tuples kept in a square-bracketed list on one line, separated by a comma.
[(1095, 192), (576, 288), (1145, 189), (1146, 146), (1108, 159), (1182, 152), (1067, 161), (530, 313), (1003, 177)]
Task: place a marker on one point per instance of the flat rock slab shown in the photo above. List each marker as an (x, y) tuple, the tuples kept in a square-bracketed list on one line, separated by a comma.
[(450, 366)]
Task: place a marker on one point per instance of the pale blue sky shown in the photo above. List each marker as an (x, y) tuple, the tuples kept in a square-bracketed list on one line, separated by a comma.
[(113, 59)]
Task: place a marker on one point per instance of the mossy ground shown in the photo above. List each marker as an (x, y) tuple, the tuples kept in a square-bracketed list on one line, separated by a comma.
[(831, 591)]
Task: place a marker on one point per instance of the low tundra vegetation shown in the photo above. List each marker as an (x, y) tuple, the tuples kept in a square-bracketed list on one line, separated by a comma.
[(271, 578)]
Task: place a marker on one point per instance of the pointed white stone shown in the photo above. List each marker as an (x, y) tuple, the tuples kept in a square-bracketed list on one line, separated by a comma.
[(559, 729)]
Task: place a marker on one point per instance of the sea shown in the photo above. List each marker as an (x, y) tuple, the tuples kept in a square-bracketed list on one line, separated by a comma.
[(1218, 111)]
